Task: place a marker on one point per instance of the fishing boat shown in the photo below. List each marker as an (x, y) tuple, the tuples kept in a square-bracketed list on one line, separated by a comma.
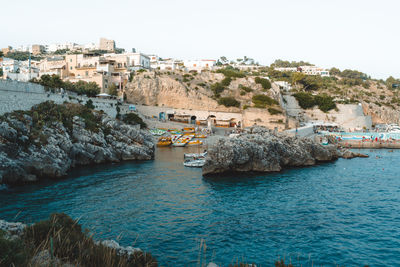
[(175, 137), (200, 136), (195, 155), (157, 132), (164, 141), (188, 129), (198, 163), (195, 142)]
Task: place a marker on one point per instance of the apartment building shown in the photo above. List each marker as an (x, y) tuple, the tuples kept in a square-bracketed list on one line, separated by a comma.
[(54, 66), (106, 44), (199, 65)]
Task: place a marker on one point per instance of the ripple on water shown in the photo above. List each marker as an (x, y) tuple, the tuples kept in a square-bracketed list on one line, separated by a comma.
[(343, 213)]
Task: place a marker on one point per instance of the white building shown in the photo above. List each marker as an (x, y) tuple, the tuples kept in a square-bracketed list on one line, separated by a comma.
[(18, 70), (199, 65), (308, 70)]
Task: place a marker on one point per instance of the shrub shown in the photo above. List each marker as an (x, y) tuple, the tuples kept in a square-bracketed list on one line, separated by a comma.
[(12, 252), (229, 102), (76, 247), (226, 81), (217, 89), (261, 101), (242, 92), (132, 118), (245, 107), (231, 72), (306, 100), (89, 104), (274, 111), (264, 83), (245, 88)]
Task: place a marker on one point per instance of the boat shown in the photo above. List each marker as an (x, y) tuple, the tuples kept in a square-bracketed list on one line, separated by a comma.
[(157, 132), (195, 155), (188, 129), (175, 137), (164, 141), (197, 163), (200, 136), (195, 142)]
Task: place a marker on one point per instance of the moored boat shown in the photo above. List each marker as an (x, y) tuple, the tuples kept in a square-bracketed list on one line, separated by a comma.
[(164, 141), (197, 163), (195, 142)]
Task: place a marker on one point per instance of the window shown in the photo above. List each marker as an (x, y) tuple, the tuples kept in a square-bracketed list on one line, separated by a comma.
[(70, 60), (70, 68), (86, 73)]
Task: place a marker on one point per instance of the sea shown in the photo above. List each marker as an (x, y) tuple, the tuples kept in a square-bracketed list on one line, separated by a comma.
[(343, 213)]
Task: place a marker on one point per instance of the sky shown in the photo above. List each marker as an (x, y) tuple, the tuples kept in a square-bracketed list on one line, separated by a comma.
[(348, 34)]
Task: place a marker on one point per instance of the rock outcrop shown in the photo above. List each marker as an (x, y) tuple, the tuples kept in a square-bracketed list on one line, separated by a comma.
[(32, 148), (260, 150)]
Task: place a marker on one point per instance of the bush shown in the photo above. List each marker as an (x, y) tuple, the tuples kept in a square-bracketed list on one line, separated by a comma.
[(264, 83), (226, 81), (274, 111), (229, 102), (306, 100), (217, 89), (245, 88), (132, 118), (261, 101), (231, 72), (12, 252), (76, 247)]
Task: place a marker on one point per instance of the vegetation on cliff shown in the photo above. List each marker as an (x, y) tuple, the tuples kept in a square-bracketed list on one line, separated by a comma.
[(63, 238), (52, 82), (307, 100)]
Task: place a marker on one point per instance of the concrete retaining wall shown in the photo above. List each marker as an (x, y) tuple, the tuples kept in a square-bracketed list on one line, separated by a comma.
[(16, 95)]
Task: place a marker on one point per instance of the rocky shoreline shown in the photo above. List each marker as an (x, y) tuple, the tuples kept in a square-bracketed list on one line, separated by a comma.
[(50, 139), (261, 150)]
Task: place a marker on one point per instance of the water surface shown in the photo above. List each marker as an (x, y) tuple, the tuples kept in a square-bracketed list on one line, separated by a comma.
[(346, 212)]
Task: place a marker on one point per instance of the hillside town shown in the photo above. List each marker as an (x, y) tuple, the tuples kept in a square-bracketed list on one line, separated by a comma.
[(296, 97)]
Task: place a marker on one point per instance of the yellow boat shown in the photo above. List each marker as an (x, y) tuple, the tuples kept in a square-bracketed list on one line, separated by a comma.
[(201, 136), (188, 129), (164, 141), (195, 143)]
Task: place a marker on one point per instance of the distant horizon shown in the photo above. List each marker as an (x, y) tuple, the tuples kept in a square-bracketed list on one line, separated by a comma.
[(357, 35)]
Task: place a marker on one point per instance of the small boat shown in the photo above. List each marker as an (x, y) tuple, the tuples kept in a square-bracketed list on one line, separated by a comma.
[(200, 136), (188, 129), (157, 132), (197, 163), (175, 137), (195, 142), (181, 142), (164, 141), (195, 155)]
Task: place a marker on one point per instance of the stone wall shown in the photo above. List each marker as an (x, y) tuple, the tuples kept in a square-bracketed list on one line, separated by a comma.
[(16, 95)]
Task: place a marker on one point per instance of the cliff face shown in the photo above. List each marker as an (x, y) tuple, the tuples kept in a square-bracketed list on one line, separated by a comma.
[(34, 147), (381, 114), (262, 151), (189, 91)]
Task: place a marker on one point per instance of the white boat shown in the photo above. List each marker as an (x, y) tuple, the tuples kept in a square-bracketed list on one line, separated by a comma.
[(195, 155), (198, 163)]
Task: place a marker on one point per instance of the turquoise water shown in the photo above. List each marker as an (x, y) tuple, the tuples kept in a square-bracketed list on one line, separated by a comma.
[(346, 212)]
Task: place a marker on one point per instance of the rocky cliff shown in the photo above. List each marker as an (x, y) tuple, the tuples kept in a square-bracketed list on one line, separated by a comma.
[(260, 150), (50, 139)]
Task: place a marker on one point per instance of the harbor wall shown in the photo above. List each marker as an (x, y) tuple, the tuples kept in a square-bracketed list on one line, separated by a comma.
[(15, 95), (393, 144)]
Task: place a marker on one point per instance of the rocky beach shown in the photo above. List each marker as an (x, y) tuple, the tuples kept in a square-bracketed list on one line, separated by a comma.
[(50, 139)]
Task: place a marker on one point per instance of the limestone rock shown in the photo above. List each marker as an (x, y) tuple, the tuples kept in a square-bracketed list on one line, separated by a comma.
[(261, 150), (27, 156)]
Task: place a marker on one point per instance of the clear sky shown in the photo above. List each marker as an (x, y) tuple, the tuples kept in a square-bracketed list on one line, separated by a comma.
[(355, 34)]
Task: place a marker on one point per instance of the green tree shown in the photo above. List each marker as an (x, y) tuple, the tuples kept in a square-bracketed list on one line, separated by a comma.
[(266, 84), (113, 90)]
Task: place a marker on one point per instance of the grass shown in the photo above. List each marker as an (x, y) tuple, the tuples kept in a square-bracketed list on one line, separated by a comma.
[(64, 238)]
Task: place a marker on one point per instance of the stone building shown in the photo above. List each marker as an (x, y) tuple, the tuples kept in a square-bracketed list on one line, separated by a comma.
[(108, 45)]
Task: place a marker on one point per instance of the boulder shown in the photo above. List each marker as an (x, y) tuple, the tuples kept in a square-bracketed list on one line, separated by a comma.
[(261, 150)]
